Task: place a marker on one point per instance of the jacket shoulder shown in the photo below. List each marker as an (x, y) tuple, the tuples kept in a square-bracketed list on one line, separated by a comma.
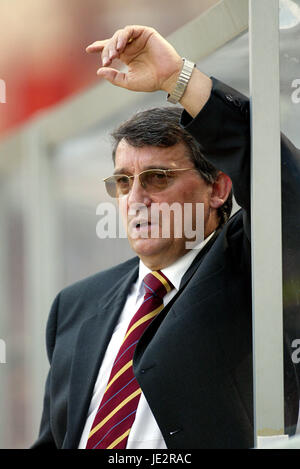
[(100, 281), (80, 299)]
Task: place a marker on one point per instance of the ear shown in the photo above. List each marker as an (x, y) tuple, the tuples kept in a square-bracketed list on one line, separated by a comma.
[(220, 190)]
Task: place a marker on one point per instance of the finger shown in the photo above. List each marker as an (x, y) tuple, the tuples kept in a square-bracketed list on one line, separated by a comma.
[(117, 44), (119, 40), (112, 50), (99, 47), (96, 46), (123, 40), (102, 47), (133, 32)]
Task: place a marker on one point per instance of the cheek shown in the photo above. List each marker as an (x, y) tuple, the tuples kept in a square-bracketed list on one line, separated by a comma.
[(123, 209), (191, 195), (201, 195)]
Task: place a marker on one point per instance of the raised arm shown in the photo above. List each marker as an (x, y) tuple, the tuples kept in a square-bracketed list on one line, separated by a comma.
[(223, 126), (153, 64)]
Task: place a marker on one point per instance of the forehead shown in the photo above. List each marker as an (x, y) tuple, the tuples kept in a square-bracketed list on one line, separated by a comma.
[(131, 158)]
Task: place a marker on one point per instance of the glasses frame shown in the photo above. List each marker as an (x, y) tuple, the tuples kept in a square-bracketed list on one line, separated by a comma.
[(165, 171)]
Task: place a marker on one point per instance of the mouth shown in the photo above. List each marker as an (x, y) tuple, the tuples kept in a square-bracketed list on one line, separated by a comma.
[(139, 226)]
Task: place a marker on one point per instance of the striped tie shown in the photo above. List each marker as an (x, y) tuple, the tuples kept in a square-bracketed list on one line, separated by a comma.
[(117, 410)]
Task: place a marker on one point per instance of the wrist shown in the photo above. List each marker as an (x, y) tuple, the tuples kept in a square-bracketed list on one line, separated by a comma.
[(197, 93), (169, 83), (183, 80)]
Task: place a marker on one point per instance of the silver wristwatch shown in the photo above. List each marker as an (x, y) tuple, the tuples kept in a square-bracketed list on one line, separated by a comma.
[(182, 82)]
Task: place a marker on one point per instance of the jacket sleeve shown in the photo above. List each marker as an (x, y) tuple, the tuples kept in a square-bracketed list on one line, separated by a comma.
[(45, 438), (222, 129)]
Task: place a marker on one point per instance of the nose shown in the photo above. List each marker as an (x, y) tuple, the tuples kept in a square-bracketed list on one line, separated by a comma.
[(138, 194)]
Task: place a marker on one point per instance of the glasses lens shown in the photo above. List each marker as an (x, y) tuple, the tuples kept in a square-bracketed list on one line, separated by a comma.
[(118, 185), (154, 180)]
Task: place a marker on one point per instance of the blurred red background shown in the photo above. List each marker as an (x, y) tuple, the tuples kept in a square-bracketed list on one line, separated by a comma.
[(42, 49)]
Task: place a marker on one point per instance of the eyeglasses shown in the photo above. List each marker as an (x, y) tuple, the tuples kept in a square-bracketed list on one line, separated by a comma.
[(154, 180)]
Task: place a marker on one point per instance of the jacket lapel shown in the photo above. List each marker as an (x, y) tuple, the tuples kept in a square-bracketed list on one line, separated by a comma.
[(197, 261), (93, 339), (201, 275)]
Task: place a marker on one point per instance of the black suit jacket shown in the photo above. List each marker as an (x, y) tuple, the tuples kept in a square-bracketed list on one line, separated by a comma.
[(194, 362)]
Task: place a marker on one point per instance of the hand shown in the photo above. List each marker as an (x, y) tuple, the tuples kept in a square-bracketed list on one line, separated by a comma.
[(153, 64)]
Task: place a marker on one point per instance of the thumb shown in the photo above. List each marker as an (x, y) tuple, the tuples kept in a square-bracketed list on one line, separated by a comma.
[(115, 77)]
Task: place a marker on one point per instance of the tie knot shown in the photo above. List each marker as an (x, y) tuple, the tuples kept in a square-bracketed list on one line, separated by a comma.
[(156, 283)]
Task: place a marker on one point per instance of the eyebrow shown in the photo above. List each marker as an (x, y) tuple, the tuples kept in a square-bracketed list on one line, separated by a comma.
[(125, 171)]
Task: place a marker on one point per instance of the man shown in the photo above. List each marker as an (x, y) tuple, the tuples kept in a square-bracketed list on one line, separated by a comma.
[(190, 369)]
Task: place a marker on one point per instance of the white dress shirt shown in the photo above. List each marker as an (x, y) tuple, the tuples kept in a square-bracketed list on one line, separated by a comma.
[(145, 433)]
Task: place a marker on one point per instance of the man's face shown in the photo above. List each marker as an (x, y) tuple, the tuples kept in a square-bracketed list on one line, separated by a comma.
[(186, 187)]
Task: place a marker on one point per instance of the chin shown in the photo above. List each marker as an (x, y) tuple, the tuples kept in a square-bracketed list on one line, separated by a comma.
[(149, 247)]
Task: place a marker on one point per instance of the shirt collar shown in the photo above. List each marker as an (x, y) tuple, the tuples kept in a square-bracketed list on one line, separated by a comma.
[(173, 272)]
